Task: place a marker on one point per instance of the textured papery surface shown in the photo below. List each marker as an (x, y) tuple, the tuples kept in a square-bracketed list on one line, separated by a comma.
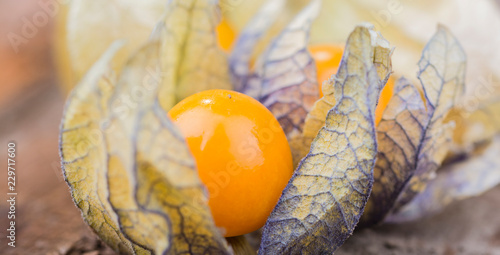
[(284, 77), (323, 201), (287, 76), (240, 59), (315, 119), (156, 193), (137, 185), (399, 135), (413, 135), (153, 183), (442, 74), (454, 182), (191, 59), (83, 152)]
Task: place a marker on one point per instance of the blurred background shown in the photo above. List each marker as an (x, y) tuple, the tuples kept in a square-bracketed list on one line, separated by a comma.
[(31, 106), (42, 55)]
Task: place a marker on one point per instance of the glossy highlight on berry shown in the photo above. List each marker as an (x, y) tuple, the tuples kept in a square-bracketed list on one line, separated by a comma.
[(241, 153)]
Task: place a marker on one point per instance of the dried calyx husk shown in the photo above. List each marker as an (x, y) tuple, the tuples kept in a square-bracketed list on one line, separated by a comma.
[(471, 167), (325, 198), (132, 176), (284, 77), (413, 135), (433, 149), (129, 169)]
